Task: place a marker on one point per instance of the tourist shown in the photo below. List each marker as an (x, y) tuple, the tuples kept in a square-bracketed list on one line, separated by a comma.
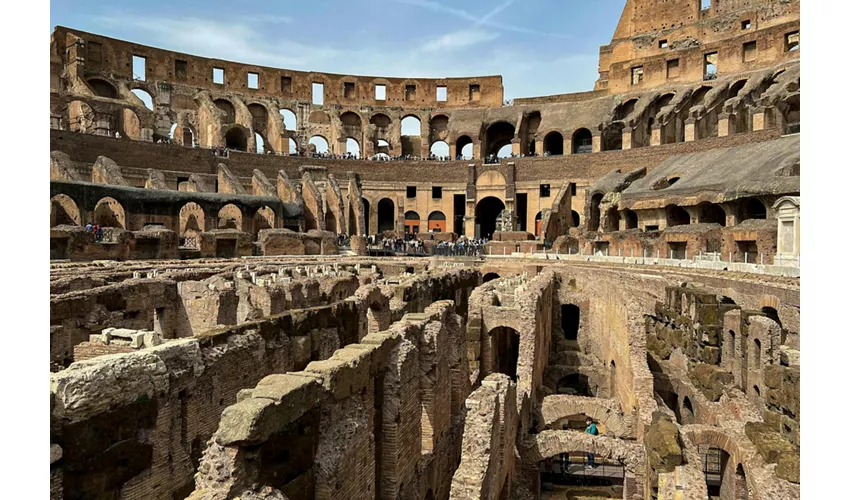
[(99, 236), (88, 227), (593, 431)]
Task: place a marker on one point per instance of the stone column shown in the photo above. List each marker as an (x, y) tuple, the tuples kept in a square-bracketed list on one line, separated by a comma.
[(655, 138), (690, 130), (597, 142), (759, 119), (725, 124), (515, 147), (568, 145), (453, 150), (627, 138), (476, 150)]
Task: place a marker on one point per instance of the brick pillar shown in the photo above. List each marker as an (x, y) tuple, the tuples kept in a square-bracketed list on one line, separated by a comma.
[(597, 142), (568, 145), (340, 146), (453, 150), (690, 130), (515, 147), (476, 150), (655, 138), (759, 119), (627, 138), (725, 124)]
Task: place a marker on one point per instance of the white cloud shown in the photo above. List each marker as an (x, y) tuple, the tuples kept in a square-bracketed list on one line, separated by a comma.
[(459, 39)]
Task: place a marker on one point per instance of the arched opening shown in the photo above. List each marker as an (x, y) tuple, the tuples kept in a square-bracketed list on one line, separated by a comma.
[(146, 98), (504, 344), (439, 128), (437, 222), (429, 495), (109, 213), (290, 121), (529, 131), (489, 277), (716, 465), (386, 215), (230, 217), (318, 144), (486, 213), (102, 88), (463, 146), (236, 139), (411, 222), (382, 147), (711, 213), (553, 144), (191, 224), (688, 413), (595, 201), (753, 209), (575, 384), (625, 109), (741, 491), (570, 315), (440, 149), (499, 135), (676, 216), (352, 147), (576, 218), (612, 137), (612, 220), (331, 223), (366, 214), (631, 219), (411, 140), (228, 109), (756, 354), (538, 223), (64, 211), (582, 141), (263, 219)]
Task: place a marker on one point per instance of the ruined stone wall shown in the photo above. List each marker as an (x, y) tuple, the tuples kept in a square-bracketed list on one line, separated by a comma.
[(168, 398), (380, 426)]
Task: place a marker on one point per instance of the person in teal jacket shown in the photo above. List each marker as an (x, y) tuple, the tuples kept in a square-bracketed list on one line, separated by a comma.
[(592, 430)]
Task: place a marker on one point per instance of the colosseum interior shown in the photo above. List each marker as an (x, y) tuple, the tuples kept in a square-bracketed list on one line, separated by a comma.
[(237, 309)]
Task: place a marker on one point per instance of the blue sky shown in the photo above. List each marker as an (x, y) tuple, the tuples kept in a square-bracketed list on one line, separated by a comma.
[(540, 47)]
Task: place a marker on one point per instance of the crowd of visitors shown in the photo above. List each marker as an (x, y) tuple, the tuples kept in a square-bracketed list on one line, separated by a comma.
[(414, 245), (461, 247)]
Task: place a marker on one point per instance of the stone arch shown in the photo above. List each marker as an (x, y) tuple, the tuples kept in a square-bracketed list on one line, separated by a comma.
[(264, 219), (576, 218), (411, 132), (227, 108), (192, 220), (64, 211), (411, 222), (382, 124), (631, 219), (440, 149), (318, 144), (236, 138), (110, 213), (352, 146), (490, 277), (103, 88), (463, 147), (439, 128), (351, 122), (499, 135), (711, 213), (230, 217), (144, 96), (582, 141), (386, 215), (437, 222), (290, 121), (676, 216), (487, 210), (551, 443), (625, 108), (553, 143), (752, 208), (378, 317), (557, 407), (595, 215)]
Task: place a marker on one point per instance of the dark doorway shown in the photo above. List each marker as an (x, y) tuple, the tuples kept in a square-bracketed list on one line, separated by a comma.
[(490, 277), (386, 215), (459, 203), (235, 139), (505, 342), (522, 211), (486, 213), (575, 384), (553, 144), (570, 314), (366, 214), (225, 249)]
